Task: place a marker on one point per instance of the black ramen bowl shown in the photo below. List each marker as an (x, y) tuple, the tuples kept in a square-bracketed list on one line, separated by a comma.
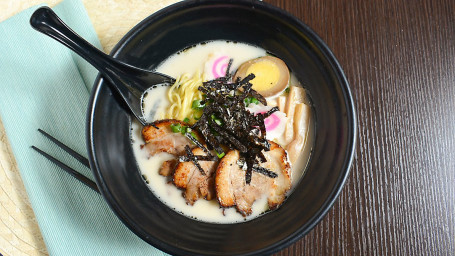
[(256, 23)]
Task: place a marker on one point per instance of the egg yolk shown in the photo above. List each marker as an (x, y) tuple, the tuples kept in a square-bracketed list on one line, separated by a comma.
[(266, 74)]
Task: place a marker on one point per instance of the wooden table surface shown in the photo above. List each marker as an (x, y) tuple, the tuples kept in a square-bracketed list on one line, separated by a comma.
[(398, 56)]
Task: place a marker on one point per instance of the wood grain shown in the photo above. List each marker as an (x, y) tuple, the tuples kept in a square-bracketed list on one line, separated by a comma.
[(399, 59)]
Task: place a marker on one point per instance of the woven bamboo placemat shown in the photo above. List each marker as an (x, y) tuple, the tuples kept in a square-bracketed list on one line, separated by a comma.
[(19, 231)]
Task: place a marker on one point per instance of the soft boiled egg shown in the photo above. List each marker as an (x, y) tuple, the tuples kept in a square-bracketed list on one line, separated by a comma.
[(274, 124), (271, 75)]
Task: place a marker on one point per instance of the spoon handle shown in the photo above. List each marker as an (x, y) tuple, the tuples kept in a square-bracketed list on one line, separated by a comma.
[(47, 22)]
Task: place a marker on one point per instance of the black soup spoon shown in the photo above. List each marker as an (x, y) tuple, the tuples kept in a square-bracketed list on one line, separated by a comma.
[(130, 82)]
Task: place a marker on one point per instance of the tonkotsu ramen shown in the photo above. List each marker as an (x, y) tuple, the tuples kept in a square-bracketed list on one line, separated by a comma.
[(230, 139)]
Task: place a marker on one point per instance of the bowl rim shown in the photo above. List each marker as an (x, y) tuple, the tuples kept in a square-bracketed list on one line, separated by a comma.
[(325, 50)]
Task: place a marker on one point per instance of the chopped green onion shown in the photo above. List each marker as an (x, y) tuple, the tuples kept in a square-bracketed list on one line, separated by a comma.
[(197, 115), (250, 100), (217, 120), (220, 155), (186, 120), (192, 135), (197, 104), (183, 130), (176, 128)]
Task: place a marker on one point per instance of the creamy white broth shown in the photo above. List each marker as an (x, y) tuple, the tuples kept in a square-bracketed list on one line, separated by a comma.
[(190, 61), (193, 59)]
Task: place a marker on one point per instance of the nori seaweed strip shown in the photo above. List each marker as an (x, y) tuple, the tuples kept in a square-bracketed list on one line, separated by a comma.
[(210, 139), (259, 120), (202, 125), (270, 112), (261, 157), (246, 92), (265, 171), (198, 157), (257, 168), (258, 96), (253, 92), (249, 170), (247, 79), (248, 174), (242, 148), (193, 139), (228, 74), (237, 128), (194, 159), (253, 137), (209, 94), (233, 86), (265, 144)]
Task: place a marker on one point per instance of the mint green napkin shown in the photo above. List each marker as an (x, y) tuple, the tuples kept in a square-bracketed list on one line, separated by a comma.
[(44, 85)]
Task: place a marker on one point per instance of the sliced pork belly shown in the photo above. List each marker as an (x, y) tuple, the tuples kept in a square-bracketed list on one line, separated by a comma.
[(164, 140), (168, 167), (196, 185), (232, 189)]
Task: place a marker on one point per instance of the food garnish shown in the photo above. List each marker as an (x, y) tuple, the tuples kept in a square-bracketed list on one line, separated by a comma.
[(275, 124), (216, 65), (224, 139), (226, 123), (193, 159)]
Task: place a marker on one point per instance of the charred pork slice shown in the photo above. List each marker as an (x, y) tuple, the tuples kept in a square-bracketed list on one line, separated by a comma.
[(164, 140), (168, 167), (194, 183), (232, 189)]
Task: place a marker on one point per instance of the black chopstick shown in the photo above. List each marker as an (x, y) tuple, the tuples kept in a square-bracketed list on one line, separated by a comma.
[(70, 151), (88, 182)]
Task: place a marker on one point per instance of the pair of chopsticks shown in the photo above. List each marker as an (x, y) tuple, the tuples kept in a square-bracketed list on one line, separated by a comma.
[(65, 167)]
